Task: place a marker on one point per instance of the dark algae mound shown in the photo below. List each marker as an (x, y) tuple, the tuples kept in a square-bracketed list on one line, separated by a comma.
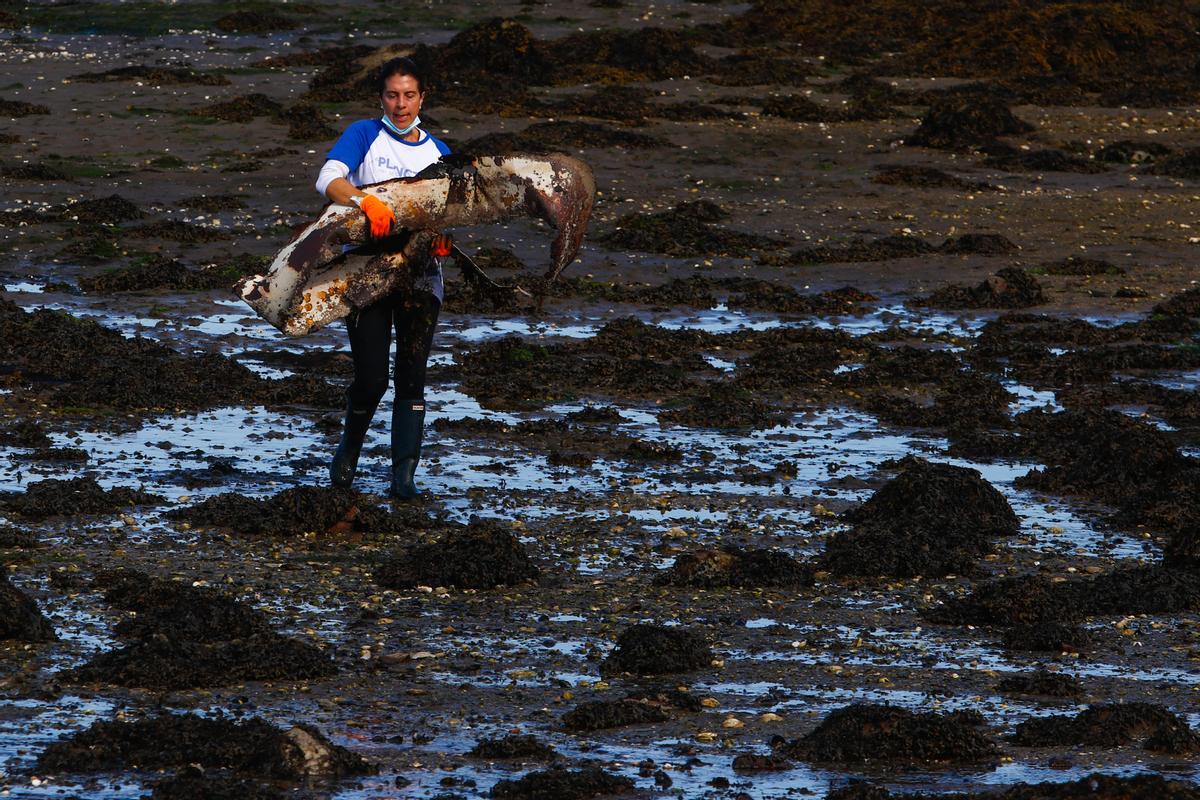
[(158, 273), (926, 178), (737, 568), (962, 121), (160, 662), (20, 617), (189, 637), (1008, 288), (1093, 787), (1047, 637), (563, 784), (657, 650), (156, 76), (54, 497), (883, 249), (289, 513), (72, 361), (1033, 599), (1042, 683), (864, 733), (525, 746), (480, 556), (253, 747), (1180, 165), (191, 783), (177, 610), (1111, 725), (1184, 304), (931, 519), (560, 135), (597, 715), (685, 230)]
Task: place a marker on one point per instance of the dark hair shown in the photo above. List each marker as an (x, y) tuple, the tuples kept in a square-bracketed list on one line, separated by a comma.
[(399, 66)]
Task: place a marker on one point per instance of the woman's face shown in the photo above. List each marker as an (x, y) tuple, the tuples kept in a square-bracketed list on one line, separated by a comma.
[(401, 99)]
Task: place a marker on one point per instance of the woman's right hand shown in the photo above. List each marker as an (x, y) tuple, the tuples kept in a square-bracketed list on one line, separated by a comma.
[(380, 216)]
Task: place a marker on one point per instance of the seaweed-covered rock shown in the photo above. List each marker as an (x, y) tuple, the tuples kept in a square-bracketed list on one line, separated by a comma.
[(291, 512), (1076, 265), (191, 783), (562, 784), (1043, 683), (725, 405), (961, 121), (253, 747), (1181, 165), (560, 135), (739, 568), (65, 360), (177, 610), (685, 230), (865, 733), (160, 662), (882, 249), (657, 650), (1047, 637), (931, 519), (926, 178), (154, 76), (55, 497), (757, 762), (525, 746), (1184, 304), (481, 556), (20, 617), (596, 715), (1110, 725), (1008, 288)]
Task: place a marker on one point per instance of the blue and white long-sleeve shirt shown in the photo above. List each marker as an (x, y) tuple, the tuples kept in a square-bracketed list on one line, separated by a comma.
[(369, 153)]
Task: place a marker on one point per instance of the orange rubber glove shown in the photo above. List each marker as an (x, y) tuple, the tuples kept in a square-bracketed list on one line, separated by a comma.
[(379, 214), (441, 245)]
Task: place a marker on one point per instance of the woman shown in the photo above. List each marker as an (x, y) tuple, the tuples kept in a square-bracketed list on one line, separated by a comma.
[(370, 151)]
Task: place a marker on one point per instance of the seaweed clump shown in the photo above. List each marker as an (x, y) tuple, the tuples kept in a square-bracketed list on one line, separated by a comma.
[(738, 568), (72, 361), (481, 556), (57, 497), (864, 733), (931, 520), (20, 617), (514, 746), (1111, 725), (657, 650), (966, 120), (563, 784), (685, 230), (253, 747), (1041, 683), (1008, 288), (190, 637)]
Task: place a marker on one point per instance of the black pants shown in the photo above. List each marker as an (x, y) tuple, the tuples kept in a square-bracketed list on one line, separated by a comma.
[(413, 316)]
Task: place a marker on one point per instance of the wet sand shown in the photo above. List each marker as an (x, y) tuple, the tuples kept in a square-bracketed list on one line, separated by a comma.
[(684, 388)]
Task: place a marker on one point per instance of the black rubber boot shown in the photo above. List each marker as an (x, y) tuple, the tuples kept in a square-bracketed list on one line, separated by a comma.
[(345, 459), (408, 427)]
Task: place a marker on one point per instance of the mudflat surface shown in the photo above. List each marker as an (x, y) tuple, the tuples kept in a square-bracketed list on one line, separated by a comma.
[(860, 443)]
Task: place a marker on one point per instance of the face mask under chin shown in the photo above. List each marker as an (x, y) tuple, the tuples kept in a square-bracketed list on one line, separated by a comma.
[(391, 126)]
